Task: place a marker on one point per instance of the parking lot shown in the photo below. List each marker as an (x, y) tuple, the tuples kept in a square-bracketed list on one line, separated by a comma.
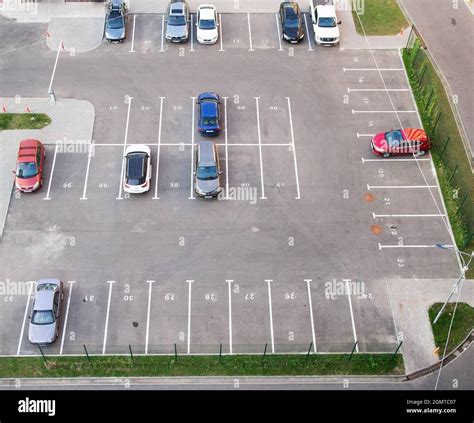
[(298, 251)]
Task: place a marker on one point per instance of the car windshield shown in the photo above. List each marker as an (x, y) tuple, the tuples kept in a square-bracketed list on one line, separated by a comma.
[(206, 173), (208, 121), (115, 20), (42, 317), (136, 168), (176, 20), (327, 22), (47, 287), (26, 170), (394, 138), (207, 24)]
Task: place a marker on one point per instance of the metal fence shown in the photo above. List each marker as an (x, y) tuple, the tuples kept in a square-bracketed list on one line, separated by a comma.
[(439, 119)]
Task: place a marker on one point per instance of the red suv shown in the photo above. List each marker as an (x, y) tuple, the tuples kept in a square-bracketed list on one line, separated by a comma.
[(401, 141), (29, 166)]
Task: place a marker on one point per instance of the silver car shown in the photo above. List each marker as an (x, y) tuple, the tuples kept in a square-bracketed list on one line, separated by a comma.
[(115, 21), (177, 22), (207, 171), (46, 315)]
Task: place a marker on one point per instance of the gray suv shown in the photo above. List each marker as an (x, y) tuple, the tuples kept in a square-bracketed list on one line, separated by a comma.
[(45, 318), (207, 171), (177, 22)]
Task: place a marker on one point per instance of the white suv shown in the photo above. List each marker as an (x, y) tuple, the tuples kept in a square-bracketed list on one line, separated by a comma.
[(207, 24), (325, 24)]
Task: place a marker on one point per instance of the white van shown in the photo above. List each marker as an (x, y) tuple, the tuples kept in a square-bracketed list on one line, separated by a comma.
[(325, 24)]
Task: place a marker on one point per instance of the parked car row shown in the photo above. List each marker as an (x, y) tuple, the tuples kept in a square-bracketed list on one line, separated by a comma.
[(323, 17)]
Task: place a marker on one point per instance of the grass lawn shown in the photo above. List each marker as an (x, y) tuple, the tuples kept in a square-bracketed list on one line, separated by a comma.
[(379, 17), (236, 365), (462, 325), (23, 120)]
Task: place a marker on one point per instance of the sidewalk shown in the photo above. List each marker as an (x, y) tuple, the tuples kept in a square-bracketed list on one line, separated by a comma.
[(72, 122), (411, 299)]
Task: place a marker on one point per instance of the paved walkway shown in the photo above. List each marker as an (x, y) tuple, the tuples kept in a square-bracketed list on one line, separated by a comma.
[(449, 35), (81, 34), (411, 299), (72, 122)]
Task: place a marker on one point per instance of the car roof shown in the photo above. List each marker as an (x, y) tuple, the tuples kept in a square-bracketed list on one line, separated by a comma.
[(27, 151), (44, 299), (177, 8), (290, 6), (206, 12), (206, 153), (326, 11), (209, 108), (136, 163)]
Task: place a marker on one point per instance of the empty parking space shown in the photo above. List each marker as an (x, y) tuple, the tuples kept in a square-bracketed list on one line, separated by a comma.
[(251, 325), (233, 31), (210, 317), (244, 170), (241, 120), (174, 172), (169, 317), (146, 32), (291, 316), (264, 31)]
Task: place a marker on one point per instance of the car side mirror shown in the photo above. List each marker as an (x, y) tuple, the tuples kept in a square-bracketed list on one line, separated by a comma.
[(339, 23), (29, 317), (221, 172), (14, 172)]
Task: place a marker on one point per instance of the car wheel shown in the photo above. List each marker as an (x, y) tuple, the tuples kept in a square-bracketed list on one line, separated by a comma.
[(41, 182), (421, 152), (386, 155)]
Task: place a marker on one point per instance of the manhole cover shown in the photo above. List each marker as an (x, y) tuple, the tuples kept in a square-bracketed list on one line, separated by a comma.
[(376, 229)]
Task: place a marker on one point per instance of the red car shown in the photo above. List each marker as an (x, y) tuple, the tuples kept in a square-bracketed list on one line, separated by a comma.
[(30, 166), (400, 141)]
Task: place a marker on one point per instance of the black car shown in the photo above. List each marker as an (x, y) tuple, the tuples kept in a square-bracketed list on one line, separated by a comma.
[(291, 20)]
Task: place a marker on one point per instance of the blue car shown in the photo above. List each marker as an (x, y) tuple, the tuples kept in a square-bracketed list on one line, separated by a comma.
[(209, 114)]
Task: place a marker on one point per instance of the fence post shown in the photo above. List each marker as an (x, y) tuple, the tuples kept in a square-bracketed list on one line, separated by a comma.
[(454, 173), (399, 346), (42, 354), (462, 203), (427, 105), (435, 125), (264, 354), (220, 352), (131, 353), (444, 148), (175, 353), (417, 50), (87, 354), (423, 71), (468, 240), (309, 350), (409, 38), (353, 349)]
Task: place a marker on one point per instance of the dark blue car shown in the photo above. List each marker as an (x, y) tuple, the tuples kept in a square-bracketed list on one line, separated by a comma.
[(209, 114)]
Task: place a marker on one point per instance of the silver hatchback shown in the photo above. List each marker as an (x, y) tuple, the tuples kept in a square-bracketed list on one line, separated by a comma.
[(207, 170), (46, 315)]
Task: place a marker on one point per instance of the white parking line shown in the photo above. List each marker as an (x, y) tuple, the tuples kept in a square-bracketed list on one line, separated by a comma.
[(383, 111), (393, 160), (371, 69), (63, 337), (220, 33), (111, 283), (250, 33), (348, 292), (262, 197), (376, 216), (60, 47), (178, 144), (310, 47), (157, 171), (298, 196), (350, 90), (369, 187), (162, 33), (190, 283), (147, 335), (308, 284), (278, 32), (192, 34), (381, 246), (24, 317), (364, 135), (269, 281), (226, 150), (191, 194), (229, 283), (133, 34), (52, 172), (84, 192), (125, 139)]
